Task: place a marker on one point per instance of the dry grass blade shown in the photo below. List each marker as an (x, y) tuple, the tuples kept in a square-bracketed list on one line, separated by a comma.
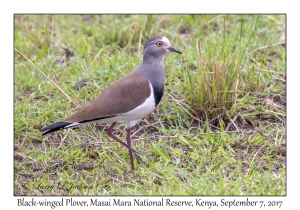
[(267, 46), (68, 97), (215, 18), (270, 71), (140, 43), (63, 139), (252, 161), (231, 122)]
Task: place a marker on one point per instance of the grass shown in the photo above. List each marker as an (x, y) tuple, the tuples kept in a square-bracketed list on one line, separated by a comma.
[(219, 130)]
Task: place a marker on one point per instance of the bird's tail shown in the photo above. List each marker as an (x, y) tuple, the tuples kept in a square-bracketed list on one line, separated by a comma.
[(55, 127)]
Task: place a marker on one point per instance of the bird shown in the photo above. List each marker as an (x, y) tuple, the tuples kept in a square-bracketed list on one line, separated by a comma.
[(127, 100)]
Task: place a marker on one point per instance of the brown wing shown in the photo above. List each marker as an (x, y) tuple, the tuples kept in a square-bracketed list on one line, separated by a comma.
[(122, 96)]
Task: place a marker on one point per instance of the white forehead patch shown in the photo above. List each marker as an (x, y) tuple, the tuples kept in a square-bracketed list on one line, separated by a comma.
[(165, 39)]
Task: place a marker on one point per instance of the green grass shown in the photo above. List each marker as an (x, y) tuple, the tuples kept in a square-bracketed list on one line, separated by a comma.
[(219, 130)]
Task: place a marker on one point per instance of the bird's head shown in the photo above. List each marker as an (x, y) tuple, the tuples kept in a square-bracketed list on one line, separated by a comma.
[(158, 47)]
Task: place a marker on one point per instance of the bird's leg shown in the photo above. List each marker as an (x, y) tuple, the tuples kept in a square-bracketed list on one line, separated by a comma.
[(110, 134), (129, 148)]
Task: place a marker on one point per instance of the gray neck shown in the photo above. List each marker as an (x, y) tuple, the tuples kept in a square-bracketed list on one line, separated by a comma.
[(153, 69)]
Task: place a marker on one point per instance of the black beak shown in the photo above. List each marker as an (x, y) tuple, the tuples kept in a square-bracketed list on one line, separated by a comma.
[(172, 49)]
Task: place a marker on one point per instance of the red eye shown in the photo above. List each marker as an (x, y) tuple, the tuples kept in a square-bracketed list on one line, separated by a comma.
[(159, 43)]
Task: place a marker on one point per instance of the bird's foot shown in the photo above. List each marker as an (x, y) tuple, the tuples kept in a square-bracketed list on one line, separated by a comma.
[(138, 157)]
